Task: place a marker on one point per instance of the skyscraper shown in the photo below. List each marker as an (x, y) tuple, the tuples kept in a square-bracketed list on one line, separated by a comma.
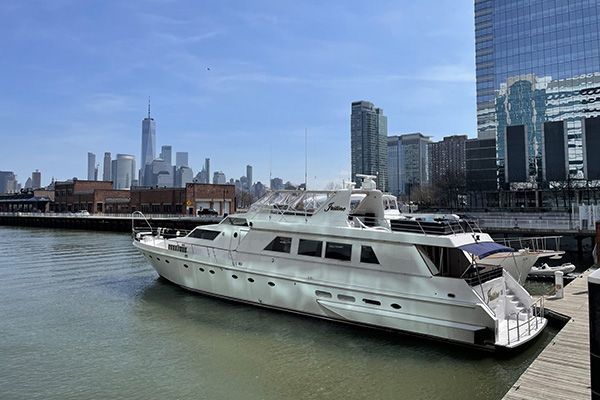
[(368, 139), (249, 176), (219, 178), (538, 78), (181, 159), (8, 182), (447, 160), (123, 171), (166, 154), (408, 162), (148, 143), (91, 167), (36, 179), (106, 175)]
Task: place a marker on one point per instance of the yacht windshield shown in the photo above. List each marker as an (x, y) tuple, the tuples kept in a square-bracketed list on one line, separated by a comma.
[(291, 202)]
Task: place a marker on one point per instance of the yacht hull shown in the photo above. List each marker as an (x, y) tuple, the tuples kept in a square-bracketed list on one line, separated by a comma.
[(438, 317)]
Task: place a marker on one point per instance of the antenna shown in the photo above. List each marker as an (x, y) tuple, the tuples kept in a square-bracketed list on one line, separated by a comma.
[(270, 166), (148, 107), (305, 159)]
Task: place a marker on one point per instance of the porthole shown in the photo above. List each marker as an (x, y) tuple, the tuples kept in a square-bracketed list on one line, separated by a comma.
[(157, 259), (372, 302), (234, 276), (396, 306), (201, 269), (167, 261), (271, 284), (451, 295), (149, 256), (185, 265), (250, 280), (321, 293), (235, 234), (344, 297), (211, 271)]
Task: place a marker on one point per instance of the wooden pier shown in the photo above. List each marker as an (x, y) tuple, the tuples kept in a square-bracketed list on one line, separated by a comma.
[(562, 369)]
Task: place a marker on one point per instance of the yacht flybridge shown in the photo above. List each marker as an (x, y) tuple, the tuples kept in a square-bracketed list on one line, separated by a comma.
[(316, 253)]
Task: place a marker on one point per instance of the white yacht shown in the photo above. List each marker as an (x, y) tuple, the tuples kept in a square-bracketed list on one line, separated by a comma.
[(308, 252)]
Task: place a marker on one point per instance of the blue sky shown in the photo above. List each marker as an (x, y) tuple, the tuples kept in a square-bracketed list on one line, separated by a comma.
[(235, 81)]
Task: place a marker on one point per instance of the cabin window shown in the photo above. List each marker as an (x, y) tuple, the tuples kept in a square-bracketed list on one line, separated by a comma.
[(236, 221), (372, 302), (204, 234), (321, 293), (344, 297), (312, 248), (367, 255), (281, 244), (338, 251)]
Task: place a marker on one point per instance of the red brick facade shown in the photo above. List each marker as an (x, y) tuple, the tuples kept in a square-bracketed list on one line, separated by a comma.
[(99, 197)]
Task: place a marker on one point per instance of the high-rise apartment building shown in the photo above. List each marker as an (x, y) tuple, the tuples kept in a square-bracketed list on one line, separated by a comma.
[(106, 175), (538, 85), (91, 167), (36, 179), (368, 142), (447, 161), (408, 162), (148, 144)]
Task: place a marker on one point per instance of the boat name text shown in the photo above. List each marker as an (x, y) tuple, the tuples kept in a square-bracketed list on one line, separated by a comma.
[(332, 207)]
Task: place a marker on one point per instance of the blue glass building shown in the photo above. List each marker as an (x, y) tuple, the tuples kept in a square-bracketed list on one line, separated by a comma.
[(538, 89)]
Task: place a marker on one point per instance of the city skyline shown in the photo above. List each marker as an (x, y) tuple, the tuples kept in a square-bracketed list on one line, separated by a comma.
[(213, 72)]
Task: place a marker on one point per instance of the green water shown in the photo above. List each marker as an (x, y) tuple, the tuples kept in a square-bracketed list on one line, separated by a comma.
[(83, 316)]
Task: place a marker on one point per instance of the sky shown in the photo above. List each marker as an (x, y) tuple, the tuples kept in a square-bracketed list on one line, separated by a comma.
[(238, 82)]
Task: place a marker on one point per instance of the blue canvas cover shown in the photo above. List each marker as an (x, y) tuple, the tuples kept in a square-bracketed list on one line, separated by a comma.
[(485, 249)]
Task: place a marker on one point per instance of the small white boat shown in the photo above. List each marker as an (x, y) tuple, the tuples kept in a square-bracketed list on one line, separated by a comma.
[(547, 271)]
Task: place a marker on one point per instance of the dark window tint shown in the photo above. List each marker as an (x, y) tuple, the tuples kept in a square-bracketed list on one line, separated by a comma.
[(592, 144), (338, 251), (554, 150), (281, 244), (204, 234), (367, 255), (310, 248), (516, 153)]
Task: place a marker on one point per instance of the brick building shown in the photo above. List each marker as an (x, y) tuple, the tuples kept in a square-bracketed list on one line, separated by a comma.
[(99, 197), (91, 196), (199, 196), (189, 200)]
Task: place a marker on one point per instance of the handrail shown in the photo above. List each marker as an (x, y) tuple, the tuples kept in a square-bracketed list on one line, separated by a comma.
[(533, 313)]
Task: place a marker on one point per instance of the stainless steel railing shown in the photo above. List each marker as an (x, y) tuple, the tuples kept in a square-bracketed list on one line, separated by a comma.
[(534, 313)]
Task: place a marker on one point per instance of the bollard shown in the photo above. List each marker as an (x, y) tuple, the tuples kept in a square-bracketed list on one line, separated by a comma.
[(594, 304), (559, 286)]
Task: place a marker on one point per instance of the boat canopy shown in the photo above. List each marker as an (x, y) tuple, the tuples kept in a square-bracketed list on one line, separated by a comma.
[(485, 249)]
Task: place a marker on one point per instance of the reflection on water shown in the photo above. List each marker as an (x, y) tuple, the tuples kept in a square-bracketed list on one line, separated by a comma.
[(84, 316)]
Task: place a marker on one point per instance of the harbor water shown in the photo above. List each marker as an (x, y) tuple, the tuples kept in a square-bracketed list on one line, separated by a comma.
[(84, 316)]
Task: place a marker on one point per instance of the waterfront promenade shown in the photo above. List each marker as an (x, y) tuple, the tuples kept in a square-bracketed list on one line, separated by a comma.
[(104, 222), (562, 369)]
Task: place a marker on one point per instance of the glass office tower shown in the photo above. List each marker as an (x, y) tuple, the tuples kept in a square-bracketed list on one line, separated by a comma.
[(538, 88)]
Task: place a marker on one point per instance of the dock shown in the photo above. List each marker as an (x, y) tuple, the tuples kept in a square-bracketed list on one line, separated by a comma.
[(104, 222), (562, 369)]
